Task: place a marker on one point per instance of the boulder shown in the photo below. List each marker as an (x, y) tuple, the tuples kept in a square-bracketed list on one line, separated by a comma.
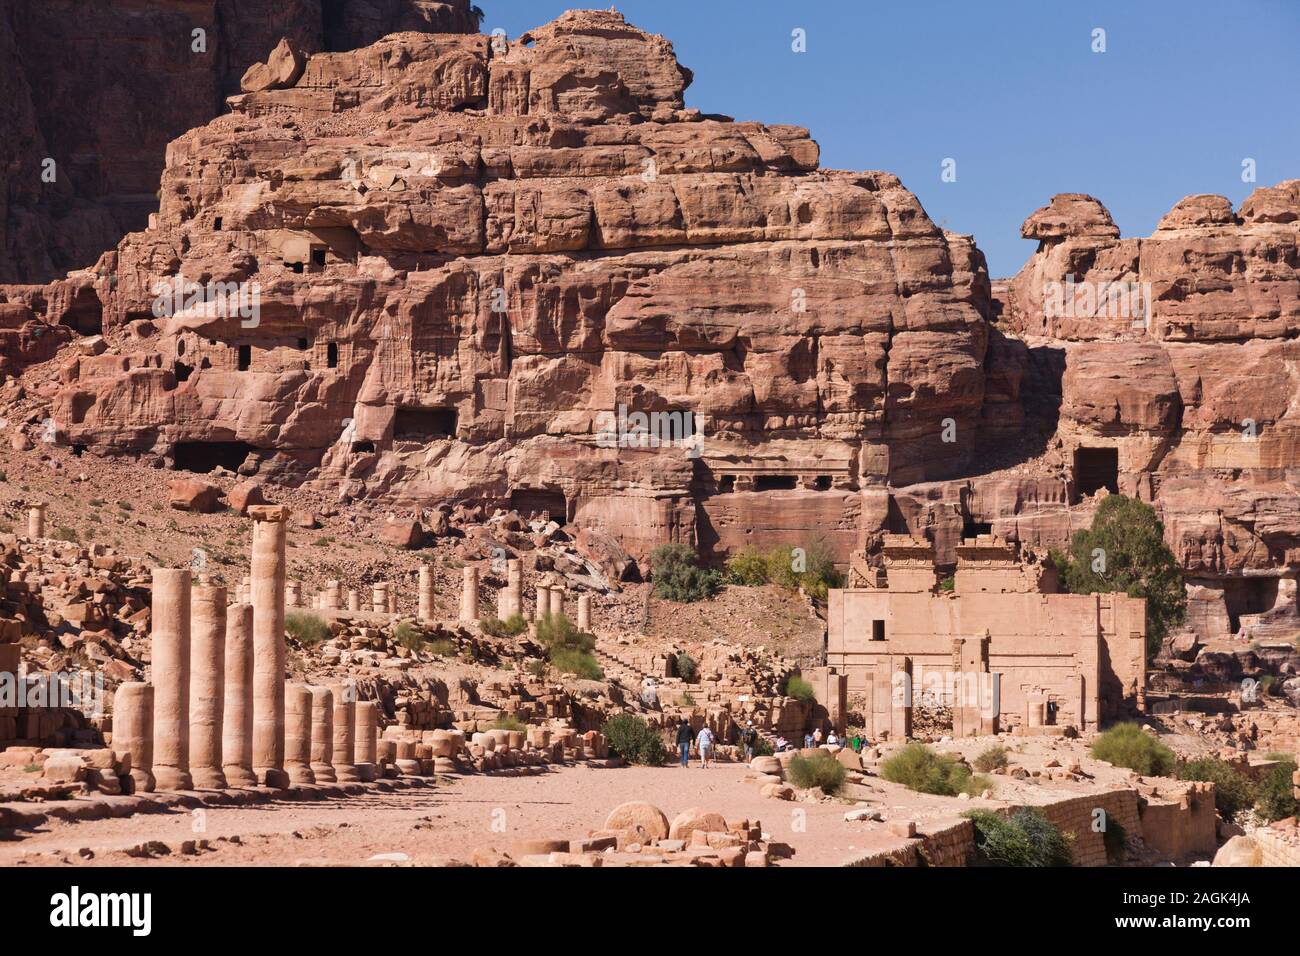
[(643, 822), (694, 820), (1239, 851), (190, 494), (245, 494), (282, 69)]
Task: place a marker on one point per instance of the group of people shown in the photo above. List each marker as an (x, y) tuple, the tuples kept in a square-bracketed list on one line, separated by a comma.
[(705, 741)]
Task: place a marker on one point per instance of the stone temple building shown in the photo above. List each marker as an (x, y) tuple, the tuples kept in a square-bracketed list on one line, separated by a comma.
[(997, 644)]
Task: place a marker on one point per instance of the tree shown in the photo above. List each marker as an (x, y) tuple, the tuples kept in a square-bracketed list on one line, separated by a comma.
[(1125, 550), (677, 577)]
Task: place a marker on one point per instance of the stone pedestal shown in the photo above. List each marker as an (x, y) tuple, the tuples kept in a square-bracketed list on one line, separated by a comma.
[(170, 676), (207, 685), (36, 522), (322, 734), (354, 600), (293, 594), (268, 578), (237, 714), (297, 733), (330, 600), (345, 719), (133, 731), (469, 594), (379, 598), (366, 739), (426, 593)]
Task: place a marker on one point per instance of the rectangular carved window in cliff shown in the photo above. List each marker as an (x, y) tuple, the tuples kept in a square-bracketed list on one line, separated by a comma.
[(332, 355), (1094, 469), (877, 630), (302, 345), (971, 528), (538, 501), (424, 424), (774, 482), (823, 483), (318, 256), (726, 484), (204, 456), (216, 224), (245, 357)]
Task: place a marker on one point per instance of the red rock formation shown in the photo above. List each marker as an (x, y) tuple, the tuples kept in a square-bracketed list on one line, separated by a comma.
[(101, 86)]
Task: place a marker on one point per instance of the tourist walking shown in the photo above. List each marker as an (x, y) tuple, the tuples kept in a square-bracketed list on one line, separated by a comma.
[(749, 738), (705, 744), (684, 741)]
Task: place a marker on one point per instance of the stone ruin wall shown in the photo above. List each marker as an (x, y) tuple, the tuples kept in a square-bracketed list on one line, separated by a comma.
[(468, 251)]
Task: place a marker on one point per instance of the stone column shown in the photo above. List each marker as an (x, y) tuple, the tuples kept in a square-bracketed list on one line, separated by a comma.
[(512, 598), (379, 598), (36, 522), (322, 734), (268, 643), (345, 719), (469, 594), (293, 594), (584, 613), (237, 715), (207, 685), (133, 731), (354, 600), (297, 733), (170, 619), (426, 593), (366, 740), (557, 601), (330, 598), (392, 598)]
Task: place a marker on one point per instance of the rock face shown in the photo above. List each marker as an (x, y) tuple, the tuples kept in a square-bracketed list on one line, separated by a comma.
[(100, 87), (450, 268), (470, 256)]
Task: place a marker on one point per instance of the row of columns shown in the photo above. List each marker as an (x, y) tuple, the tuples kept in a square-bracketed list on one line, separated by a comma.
[(217, 712)]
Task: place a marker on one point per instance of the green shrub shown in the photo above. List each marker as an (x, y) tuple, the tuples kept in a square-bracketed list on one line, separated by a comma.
[(747, 568), (1233, 790), (1114, 837), (948, 584), (1275, 794), (919, 768), (306, 629), (1124, 550), (409, 636), (578, 663), (442, 646), (818, 771), (510, 627), (813, 570), (763, 747), (995, 758), (634, 740), (1128, 745), (678, 578), (536, 667), (508, 722), (67, 534), (1025, 838), (799, 689), (686, 667), (686, 700)]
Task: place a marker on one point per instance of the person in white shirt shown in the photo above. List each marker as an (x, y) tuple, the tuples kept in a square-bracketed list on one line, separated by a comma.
[(705, 742)]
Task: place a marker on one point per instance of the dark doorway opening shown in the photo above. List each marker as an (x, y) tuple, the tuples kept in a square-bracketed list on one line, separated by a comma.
[(363, 447), (205, 456), (877, 630), (182, 371), (538, 501), (823, 483), (85, 314), (973, 529), (332, 355), (245, 357), (1094, 469), (774, 482), (1248, 596), (424, 424), (318, 256), (726, 484)]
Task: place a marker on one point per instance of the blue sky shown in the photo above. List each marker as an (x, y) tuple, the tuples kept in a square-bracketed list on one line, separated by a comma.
[(1010, 89)]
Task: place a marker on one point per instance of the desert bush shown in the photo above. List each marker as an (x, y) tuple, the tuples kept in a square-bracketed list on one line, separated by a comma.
[(536, 667), (306, 629), (442, 646), (799, 689), (677, 576), (1128, 745), (508, 722), (1275, 794), (409, 636), (994, 758), (1025, 838), (512, 626), (1233, 790), (634, 740), (686, 667), (578, 663), (568, 649), (919, 768), (67, 534), (818, 771), (1115, 838), (747, 568)]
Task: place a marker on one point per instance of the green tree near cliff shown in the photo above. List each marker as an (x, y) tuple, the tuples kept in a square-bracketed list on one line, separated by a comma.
[(1125, 550)]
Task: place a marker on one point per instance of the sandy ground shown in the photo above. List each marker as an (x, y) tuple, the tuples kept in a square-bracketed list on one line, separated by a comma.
[(452, 819)]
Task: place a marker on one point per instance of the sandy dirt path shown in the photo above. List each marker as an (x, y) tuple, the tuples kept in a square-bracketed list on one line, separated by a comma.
[(452, 819)]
